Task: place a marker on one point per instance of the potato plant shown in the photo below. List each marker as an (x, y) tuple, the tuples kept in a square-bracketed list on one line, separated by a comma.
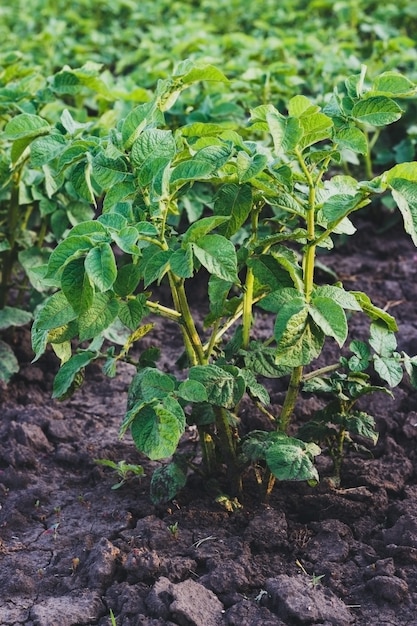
[(249, 207)]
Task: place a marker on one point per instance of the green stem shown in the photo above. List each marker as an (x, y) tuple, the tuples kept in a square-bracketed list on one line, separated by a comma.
[(228, 450), (320, 371), (308, 280), (247, 307)]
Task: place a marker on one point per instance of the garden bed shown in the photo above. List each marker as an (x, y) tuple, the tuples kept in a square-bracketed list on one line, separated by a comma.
[(73, 549)]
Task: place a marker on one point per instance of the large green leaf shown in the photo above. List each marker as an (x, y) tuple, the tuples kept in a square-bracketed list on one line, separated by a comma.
[(377, 111), (202, 227), (100, 266), (224, 388), (108, 171), (303, 349), (55, 312), (68, 249), (98, 317), (404, 193), (291, 459), (393, 84), (26, 125), (76, 285), (148, 384), (157, 428), (218, 255), (343, 298), (382, 340), (286, 132), (389, 370), (132, 311), (234, 201), (330, 317)]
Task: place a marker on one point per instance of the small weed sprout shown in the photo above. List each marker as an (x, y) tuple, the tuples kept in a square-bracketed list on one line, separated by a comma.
[(126, 472)]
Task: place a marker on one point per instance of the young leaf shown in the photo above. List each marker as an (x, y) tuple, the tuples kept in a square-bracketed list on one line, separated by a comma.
[(359, 362), (352, 138), (181, 262), (343, 298), (127, 280), (304, 348), (382, 340), (132, 311)]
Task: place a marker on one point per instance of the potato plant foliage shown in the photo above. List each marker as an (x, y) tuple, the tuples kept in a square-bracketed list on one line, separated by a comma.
[(246, 205)]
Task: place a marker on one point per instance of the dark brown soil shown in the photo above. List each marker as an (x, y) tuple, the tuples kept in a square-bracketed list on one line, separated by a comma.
[(72, 549)]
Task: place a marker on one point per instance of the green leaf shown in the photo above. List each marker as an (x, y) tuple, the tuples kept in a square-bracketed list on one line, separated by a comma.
[(204, 163), (234, 201), (290, 459), (67, 250), (203, 72), (192, 391), (359, 362), (315, 127), (12, 316), (9, 364), (389, 369), (223, 388), (374, 312), (393, 84), (181, 262), (330, 317), (100, 266), (404, 193), (137, 120), (291, 322), (218, 255), (108, 171), (45, 149), (257, 442), (153, 144), (98, 317), (156, 266), (148, 384), (270, 273), (26, 125), (352, 138), (362, 424), (127, 279), (202, 227), (343, 298), (69, 370), (76, 285), (55, 312), (339, 206), (126, 239), (286, 132), (157, 429), (382, 340), (255, 389), (303, 349), (166, 482), (261, 360), (132, 312), (274, 301), (410, 365), (248, 167), (376, 111)]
